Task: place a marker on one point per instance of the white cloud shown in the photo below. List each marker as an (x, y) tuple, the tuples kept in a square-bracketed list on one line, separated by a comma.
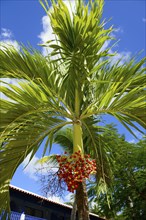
[(2, 96), (6, 39), (144, 20), (132, 141), (71, 6), (46, 34), (122, 57), (6, 33), (55, 199), (139, 136), (33, 167), (6, 82), (119, 30), (105, 46), (9, 43), (30, 169), (68, 197)]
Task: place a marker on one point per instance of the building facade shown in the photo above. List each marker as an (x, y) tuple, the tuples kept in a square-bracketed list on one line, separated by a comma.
[(36, 207)]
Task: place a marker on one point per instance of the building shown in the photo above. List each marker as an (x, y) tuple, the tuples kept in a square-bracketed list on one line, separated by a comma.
[(37, 207)]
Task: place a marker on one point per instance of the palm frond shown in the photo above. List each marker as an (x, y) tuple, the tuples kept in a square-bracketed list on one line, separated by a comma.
[(80, 37), (119, 91), (51, 159), (96, 145), (64, 138), (30, 65), (27, 118), (25, 64)]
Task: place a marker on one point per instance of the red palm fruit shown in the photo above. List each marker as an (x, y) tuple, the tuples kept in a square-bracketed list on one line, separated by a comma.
[(76, 170), (76, 186)]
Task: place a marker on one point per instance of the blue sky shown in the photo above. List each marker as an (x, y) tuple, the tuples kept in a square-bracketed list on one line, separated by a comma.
[(25, 21)]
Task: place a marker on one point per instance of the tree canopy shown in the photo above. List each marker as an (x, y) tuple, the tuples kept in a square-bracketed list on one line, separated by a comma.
[(128, 190)]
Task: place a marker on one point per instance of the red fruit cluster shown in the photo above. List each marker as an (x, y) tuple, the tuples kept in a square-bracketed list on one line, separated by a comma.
[(75, 168)]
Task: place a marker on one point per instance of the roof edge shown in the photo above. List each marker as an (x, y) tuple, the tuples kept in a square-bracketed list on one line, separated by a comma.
[(44, 198)]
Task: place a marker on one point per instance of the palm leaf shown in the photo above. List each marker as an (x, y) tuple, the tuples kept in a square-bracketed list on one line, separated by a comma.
[(79, 39), (64, 138), (119, 91), (96, 145), (30, 114)]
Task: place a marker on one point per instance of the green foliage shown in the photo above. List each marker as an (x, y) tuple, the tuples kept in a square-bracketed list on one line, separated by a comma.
[(128, 192)]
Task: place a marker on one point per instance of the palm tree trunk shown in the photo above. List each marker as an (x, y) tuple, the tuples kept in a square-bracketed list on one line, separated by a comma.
[(82, 202), (81, 192), (74, 210)]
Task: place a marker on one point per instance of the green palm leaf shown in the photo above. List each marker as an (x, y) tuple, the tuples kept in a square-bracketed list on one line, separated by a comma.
[(30, 114), (119, 91)]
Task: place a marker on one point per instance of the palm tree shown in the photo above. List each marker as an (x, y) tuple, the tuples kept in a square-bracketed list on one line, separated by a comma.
[(73, 85)]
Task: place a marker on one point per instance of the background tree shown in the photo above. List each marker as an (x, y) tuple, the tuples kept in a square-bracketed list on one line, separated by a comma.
[(78, 83), (128, 191)]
